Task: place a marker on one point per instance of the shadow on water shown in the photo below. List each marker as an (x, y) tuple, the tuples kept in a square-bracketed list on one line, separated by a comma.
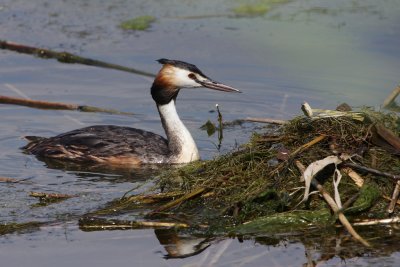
[(100, 173)]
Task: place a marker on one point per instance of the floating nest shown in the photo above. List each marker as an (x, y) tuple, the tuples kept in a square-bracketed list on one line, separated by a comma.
[(261, 181)]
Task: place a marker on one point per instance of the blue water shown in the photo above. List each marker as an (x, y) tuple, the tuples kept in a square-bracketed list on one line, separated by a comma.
[(322, 52)]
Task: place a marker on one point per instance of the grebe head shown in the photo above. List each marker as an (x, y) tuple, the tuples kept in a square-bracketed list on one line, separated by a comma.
[(175, 75)]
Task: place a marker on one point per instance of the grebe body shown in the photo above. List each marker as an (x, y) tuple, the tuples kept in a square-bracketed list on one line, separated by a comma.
[(115, 145)]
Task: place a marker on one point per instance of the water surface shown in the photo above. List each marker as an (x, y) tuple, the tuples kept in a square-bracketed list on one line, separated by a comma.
[(322, 52)]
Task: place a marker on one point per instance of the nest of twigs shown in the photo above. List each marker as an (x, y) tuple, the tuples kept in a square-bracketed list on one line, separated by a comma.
[(261, 178), (262, 181)]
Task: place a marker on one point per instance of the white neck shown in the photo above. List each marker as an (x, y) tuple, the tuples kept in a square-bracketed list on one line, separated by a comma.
[(182, 147)]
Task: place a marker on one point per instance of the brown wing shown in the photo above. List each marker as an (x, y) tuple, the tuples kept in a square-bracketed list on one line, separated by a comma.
[(102, 143)]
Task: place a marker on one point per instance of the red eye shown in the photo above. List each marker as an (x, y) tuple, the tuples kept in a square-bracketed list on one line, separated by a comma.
[(192, 76)]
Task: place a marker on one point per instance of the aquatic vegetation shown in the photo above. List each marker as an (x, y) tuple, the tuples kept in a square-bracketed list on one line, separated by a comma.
[(19, 227), (141, 23), (248, 10), (257, 188), (259, 8)]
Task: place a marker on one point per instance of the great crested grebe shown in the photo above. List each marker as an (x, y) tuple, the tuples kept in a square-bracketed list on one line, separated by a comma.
[(107, 144)]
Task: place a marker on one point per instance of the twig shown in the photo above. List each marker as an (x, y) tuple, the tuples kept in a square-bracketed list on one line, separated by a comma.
[(220, 127), (325, 113), (55, 105), (394, 198), (48, 196), (350, 201), (152, 198), (377, 222), (357, 179), (390, 199), (93, 224), (8, 180), (307, 110), (307, 145), (370, 170), (66, 57), (388, 136), (391, 97), (135, 202), (270, 138), (331, 202), (341, 216), (265, 120), (178, 201)]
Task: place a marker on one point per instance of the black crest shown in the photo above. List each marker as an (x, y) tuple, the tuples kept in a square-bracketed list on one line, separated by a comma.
[(182, 65)]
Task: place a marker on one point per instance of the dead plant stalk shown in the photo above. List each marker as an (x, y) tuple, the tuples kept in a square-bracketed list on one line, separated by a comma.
[(331, 202)]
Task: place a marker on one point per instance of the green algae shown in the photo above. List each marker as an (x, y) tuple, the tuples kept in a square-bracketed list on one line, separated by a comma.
[(286, 222), (257, 8), (141, 23), (248, 10), (368, 196), (19, 227)]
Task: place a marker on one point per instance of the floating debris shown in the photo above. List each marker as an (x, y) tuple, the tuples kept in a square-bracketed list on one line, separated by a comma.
[(141, 23), (248, 10), (56, 105), (9, 228), (49, 198), (94, 223), (66, 57)]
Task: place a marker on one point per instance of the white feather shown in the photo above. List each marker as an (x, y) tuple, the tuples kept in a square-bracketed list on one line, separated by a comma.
[(182, 79), (178, 133)]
